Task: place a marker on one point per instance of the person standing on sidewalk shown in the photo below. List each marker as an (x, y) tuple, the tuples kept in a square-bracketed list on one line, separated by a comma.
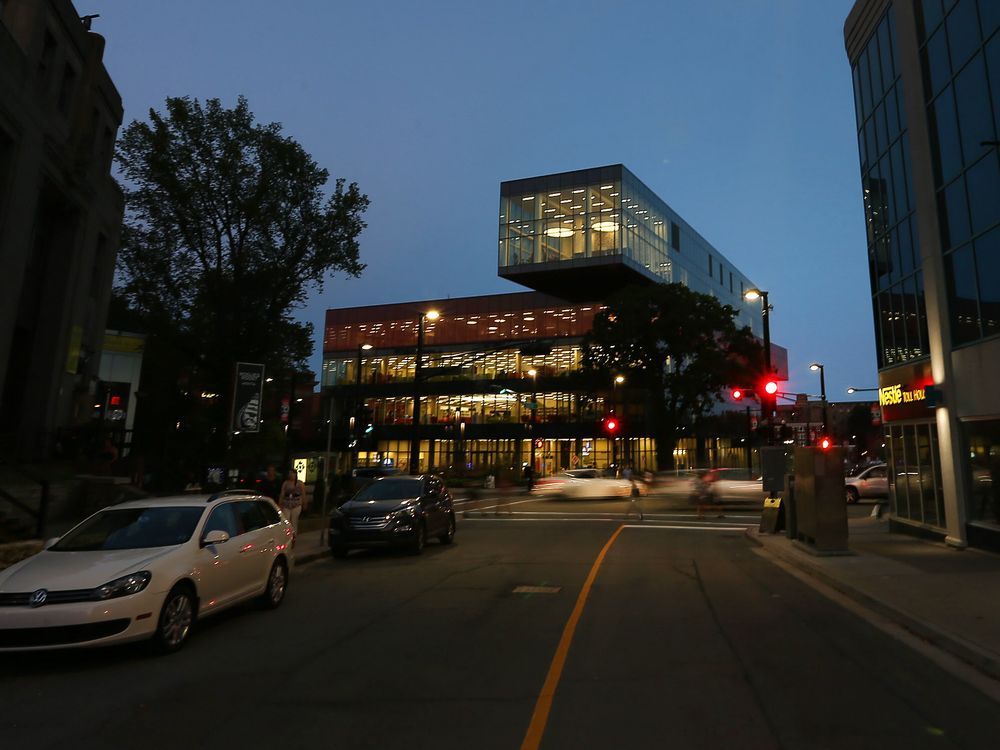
[(272, 484), (293, 494)]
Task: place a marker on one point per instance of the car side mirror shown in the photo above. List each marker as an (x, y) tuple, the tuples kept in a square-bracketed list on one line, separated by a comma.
[(50, 542), (215, 537)]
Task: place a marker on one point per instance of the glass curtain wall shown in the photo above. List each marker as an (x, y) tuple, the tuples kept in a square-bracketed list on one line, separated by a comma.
[(577, 221), (896, 277), (486, 408), (482, 456), (960, 56), (497, 365)]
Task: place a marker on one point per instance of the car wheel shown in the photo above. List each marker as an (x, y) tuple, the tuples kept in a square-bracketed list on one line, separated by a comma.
[(852, 495), (176, 619), (419, 539), (339, 551), (449, 535), (277, 584)]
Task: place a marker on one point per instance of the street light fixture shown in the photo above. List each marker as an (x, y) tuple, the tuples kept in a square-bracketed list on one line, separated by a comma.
[(752, 295), (619, 380), (431, 315), (822, 390), (852, 389), (533, 373)]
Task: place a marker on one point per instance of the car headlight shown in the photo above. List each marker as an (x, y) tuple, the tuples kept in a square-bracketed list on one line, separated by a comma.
[(124, 586), (406, 515)]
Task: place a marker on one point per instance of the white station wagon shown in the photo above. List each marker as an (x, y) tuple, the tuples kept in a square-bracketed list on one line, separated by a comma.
[(147, 569)]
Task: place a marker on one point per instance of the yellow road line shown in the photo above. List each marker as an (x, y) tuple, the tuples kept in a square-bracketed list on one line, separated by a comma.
[(543, 705)]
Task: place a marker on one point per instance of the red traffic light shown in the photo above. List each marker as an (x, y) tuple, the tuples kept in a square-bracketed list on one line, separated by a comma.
[(611, 425), (771, 387), (737, 394), (825, 443)]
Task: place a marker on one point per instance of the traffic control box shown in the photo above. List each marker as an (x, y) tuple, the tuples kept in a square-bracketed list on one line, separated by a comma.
[(820, 510)]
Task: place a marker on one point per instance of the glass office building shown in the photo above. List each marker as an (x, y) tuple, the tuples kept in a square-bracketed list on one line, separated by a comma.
[(926, 79), (489, 361)]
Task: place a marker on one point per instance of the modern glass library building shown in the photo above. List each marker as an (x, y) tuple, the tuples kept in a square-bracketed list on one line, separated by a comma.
[(488, 362)]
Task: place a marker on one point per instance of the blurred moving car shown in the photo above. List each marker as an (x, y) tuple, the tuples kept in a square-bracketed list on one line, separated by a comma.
[(588, 483), (870, 482), (398, 511), (147, 569), (554, 485), (735, 484)]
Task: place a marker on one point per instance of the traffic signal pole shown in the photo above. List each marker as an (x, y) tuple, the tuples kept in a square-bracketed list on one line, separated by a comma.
[(769, 398)]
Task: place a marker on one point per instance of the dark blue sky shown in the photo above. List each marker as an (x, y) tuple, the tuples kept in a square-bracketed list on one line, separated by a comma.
[(738, 113)]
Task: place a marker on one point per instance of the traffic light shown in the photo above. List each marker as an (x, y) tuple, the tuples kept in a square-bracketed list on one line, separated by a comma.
[(612, 425), (770, 386), (737, 394), (825, 443)]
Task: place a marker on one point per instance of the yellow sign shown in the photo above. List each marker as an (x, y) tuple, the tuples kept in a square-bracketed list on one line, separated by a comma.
[(73, 352), (891, 395), (124, 344)]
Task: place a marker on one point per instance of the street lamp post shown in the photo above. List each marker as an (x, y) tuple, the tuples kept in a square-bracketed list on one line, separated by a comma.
[(822, 391), (751, 295), (430, 315), (619, 380), (534, 411)]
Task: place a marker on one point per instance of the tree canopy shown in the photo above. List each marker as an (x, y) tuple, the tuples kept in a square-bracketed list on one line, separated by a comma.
[(682, 347), (229, 226), (227, 231)]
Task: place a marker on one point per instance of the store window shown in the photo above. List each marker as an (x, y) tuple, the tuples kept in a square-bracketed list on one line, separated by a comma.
[(983, 442), (915, 478)]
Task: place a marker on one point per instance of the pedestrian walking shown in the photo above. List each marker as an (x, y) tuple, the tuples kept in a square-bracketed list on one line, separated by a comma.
[(704, 495), (293, 493)]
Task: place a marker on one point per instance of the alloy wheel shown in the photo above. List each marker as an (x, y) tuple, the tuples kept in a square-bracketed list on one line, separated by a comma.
[(276, 583), (176, 620)]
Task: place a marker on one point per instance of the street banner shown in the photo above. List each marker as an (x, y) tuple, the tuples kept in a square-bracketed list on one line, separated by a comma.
[(247, 397)]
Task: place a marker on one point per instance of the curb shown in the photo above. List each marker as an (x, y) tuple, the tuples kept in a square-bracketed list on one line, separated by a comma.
[(311, 556), (971, 654)]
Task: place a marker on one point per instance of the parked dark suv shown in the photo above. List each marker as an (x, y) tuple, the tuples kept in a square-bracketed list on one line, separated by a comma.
[(394, 511)]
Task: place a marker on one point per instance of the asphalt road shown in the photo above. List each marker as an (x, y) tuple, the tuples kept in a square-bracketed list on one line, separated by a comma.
[(688, 639)]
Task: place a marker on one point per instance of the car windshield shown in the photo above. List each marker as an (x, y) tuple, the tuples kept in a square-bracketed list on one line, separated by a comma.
[(132, 528), (390, 489)]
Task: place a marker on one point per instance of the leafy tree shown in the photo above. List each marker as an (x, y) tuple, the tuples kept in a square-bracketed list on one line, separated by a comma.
[(227, 231), (682, 347)]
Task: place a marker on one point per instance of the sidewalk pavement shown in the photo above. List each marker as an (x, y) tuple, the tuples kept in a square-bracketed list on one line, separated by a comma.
[(945, 596)]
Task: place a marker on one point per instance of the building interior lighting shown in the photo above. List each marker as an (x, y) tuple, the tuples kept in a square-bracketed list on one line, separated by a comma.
[(559, 232), (605, 226)]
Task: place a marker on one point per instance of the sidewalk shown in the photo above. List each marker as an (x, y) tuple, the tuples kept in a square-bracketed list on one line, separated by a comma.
[(945, 596)]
